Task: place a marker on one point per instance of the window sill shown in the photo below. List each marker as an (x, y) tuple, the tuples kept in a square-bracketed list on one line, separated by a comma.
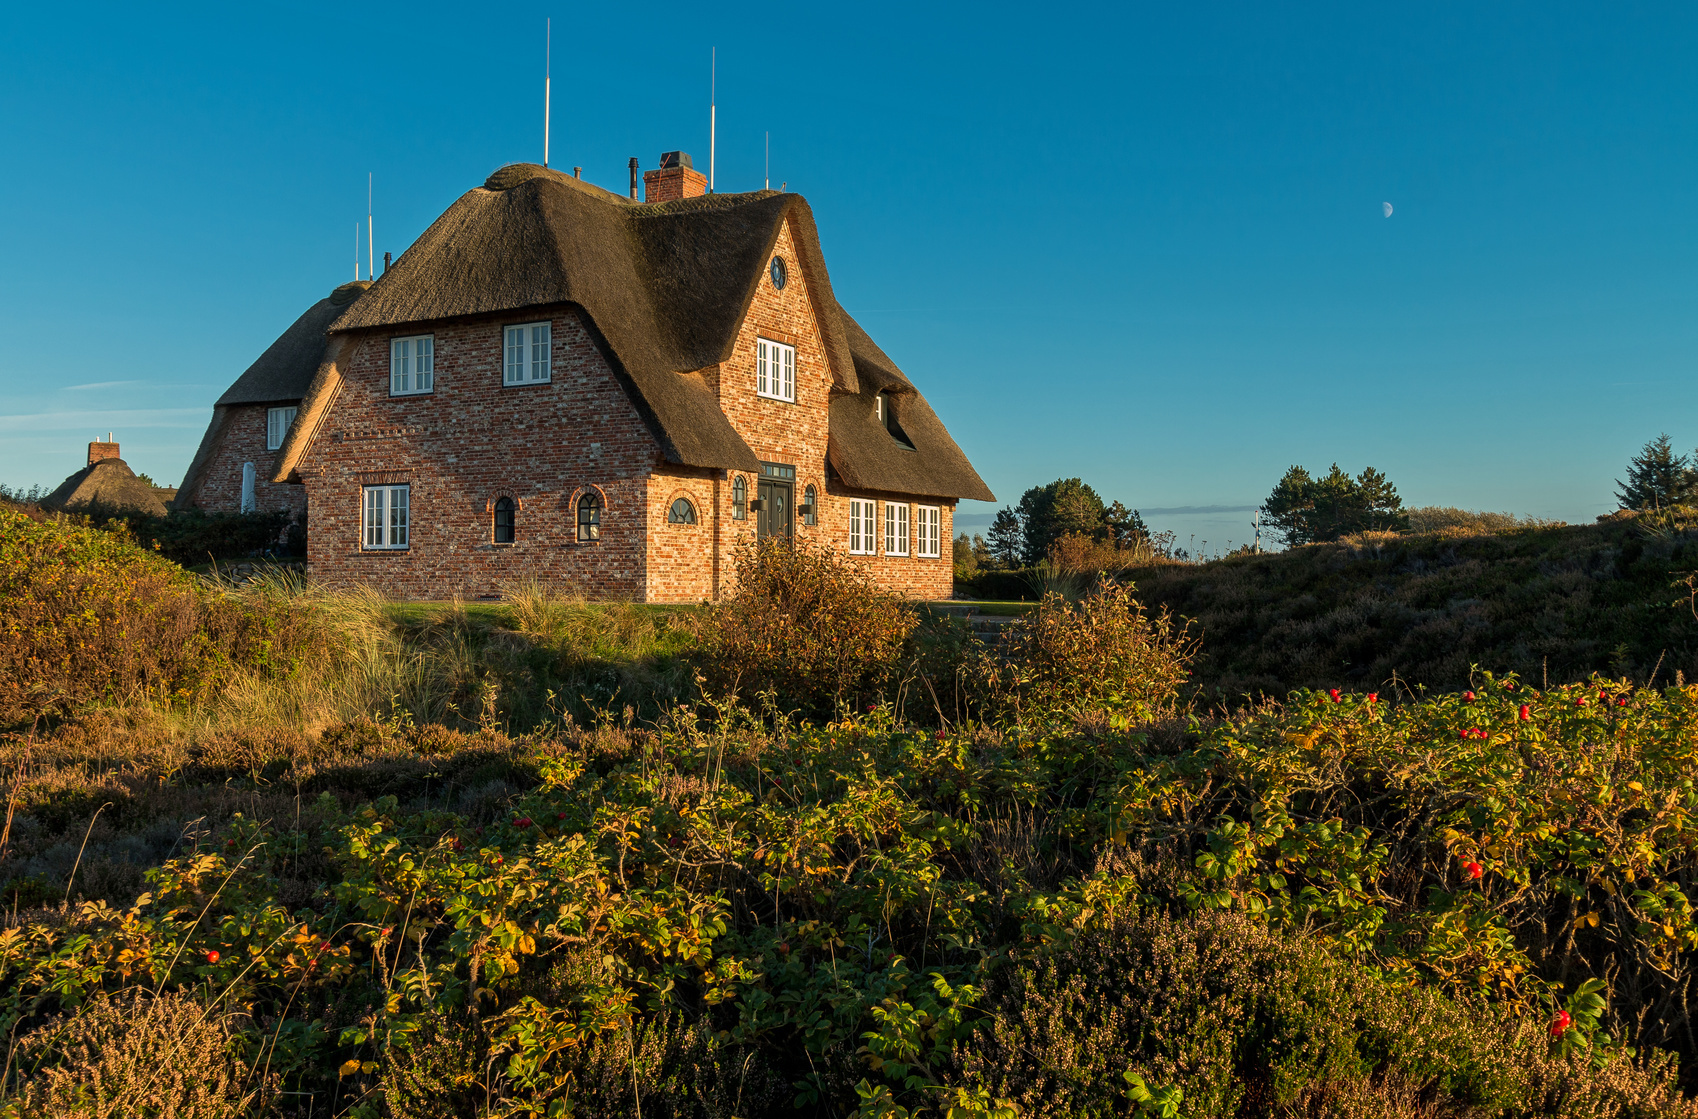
[(409, 395), (382, 551), (774, 399), (526, 384)]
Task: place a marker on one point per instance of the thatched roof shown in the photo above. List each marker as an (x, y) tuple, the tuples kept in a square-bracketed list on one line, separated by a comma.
[(281, 375), (107, 486), (666, 286), (865, 454)]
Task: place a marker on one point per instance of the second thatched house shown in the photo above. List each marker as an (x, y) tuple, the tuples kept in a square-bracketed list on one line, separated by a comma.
[(563, 383), (105, 487)]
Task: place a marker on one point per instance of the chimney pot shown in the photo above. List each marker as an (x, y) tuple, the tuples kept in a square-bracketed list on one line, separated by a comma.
[(577, 172), (386, 262), (634, 166)]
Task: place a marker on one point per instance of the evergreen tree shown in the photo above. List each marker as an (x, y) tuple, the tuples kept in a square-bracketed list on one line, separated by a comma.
[(1126, 528), (1065, 506), (1657, 478), (1007, 537), (1304, 510), (1289, 507)]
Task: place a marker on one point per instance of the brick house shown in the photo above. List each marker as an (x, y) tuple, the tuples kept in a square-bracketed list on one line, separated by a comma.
[(556, 381)]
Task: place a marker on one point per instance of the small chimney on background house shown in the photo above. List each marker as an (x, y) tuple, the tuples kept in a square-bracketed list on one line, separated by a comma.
[(634, 166), (577, 172), (98, 452), (674, 180)]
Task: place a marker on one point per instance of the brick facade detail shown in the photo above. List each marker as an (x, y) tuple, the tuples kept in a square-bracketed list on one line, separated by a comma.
[(241, 439)]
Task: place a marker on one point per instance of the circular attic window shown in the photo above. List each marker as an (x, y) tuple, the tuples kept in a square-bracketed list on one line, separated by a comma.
[(779, 274)]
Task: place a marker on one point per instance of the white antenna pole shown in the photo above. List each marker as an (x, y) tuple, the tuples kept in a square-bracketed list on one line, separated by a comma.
[(356, 251), (713, 112), (768, 185), (547, 75), (371, 238)]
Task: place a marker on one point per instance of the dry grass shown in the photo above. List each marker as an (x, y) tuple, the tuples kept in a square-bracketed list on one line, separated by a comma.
[(134, 1055)]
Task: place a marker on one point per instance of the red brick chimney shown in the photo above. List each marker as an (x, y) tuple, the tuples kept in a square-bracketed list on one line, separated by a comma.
[(676, 179), (99, 451)]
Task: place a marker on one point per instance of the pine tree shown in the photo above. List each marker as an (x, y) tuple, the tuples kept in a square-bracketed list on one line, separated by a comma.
[(1126, 527), (1007, 537), (1064, 507), (1657, 478), (1306, 510), (1290, 506)]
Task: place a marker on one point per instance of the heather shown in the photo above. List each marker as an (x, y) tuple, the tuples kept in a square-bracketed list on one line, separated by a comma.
[(1025, 878), (1554, 603)]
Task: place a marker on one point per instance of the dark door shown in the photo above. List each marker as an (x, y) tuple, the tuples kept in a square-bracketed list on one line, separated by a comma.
[(773, 517)]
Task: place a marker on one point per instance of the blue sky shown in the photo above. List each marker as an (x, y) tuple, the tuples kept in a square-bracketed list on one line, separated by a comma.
[(1140, 244)]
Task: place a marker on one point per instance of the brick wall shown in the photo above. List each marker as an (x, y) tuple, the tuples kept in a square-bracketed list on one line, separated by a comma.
[(796, 435), (681, 558), (469, 442), (243, 440)]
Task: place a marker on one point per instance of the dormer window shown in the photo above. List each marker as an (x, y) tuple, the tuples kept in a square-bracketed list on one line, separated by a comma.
[(775, 370), (884, 407), (277, 421)]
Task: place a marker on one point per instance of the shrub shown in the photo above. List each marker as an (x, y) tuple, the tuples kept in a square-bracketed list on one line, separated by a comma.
[(1101, 654), (1244, 1021), (86, 614), (1436, 518), (804, 624), (132, 1055), (193, 536)]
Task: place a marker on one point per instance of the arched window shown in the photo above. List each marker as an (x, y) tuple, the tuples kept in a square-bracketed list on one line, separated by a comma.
[(589, 518), (810, 507), (681, 513), (739, 499), (504, 520)]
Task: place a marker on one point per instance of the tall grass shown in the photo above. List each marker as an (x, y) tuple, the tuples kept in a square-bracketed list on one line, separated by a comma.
[(537, 660)]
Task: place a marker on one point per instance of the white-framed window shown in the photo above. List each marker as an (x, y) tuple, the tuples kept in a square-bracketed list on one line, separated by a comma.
[(896, 528), (528, 355), (385, 519), (775, 370), (928, 538), (863, 519), (277, 421), (412, 364)]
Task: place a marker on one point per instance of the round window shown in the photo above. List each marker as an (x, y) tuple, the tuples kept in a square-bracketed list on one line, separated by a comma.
[(779, 275)]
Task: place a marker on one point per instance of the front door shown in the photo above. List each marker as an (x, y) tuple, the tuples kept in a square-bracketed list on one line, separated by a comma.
[(773, 517)]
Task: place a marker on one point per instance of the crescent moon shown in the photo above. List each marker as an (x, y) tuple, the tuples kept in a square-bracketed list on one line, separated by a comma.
[(1388, 209)]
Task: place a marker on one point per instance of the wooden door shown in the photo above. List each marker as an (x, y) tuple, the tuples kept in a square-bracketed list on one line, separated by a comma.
[(773, 517)]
